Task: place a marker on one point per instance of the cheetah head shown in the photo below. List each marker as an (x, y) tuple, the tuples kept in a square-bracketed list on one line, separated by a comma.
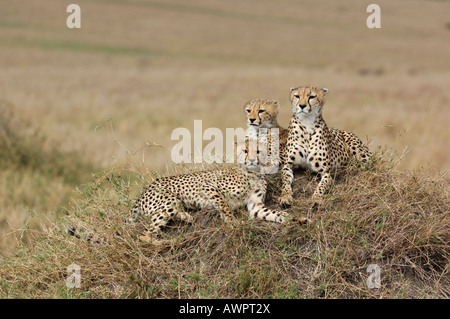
[(261, 113), (251, 154), (307, 100)]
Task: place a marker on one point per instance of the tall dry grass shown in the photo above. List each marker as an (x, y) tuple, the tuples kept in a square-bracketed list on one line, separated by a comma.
[(374, 215), (36, 179)]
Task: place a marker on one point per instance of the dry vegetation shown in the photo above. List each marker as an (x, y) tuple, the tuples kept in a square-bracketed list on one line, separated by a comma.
[(375, 215), (76, 102), (35, 178)]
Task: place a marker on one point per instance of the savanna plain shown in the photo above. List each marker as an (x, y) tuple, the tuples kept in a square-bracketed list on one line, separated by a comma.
[(86, 117)]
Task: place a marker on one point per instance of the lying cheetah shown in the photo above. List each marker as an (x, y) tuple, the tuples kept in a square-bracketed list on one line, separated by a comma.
[(312, 145), (261, 119), (221, 189)]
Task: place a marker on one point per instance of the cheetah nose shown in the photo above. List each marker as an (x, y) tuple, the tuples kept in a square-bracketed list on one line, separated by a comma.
[(252, 120), (252, 160), (302, 106)]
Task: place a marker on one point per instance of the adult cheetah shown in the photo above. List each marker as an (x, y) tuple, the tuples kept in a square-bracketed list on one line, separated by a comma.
[(312, 145)]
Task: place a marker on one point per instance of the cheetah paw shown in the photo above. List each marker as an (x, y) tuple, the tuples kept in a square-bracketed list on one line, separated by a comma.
[(286, 200), (149, 238)]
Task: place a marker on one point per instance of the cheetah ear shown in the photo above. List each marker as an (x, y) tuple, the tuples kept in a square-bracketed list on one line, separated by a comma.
[(325, 91), (292, 89)]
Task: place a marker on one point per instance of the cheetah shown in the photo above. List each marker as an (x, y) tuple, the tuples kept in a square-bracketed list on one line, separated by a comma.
[(261, 120), (314, 146), (223, 189), (262, 113)]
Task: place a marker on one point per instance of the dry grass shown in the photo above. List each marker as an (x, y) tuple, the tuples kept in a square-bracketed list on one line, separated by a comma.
[(35, 178), (377, 215)]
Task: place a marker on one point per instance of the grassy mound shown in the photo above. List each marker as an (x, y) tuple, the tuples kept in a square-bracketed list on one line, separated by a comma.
[(395, 219)]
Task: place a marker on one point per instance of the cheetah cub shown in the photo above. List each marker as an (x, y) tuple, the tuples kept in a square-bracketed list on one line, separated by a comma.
[(261, 119), (312, 145), (222, 189), (261, 113)]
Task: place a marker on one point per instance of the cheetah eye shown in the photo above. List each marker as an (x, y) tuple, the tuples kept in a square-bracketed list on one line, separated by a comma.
[(245, 151), (260, 111), (258, 151), (312, 96), (248, 111), (296, 96)]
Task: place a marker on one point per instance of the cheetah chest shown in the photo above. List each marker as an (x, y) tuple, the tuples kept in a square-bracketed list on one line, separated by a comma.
[(306, 146)]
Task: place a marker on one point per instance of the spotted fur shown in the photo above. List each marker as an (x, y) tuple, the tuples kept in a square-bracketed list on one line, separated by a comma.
[(222, 189), (261, 119)]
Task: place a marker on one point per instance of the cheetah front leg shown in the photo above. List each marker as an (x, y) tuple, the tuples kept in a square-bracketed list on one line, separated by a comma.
[(325, 182), (287, 177), (260, 211), (257, 209), (215, 200), (294, 154)]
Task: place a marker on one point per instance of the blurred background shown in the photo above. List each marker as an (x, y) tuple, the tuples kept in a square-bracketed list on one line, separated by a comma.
[(74, 101)]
